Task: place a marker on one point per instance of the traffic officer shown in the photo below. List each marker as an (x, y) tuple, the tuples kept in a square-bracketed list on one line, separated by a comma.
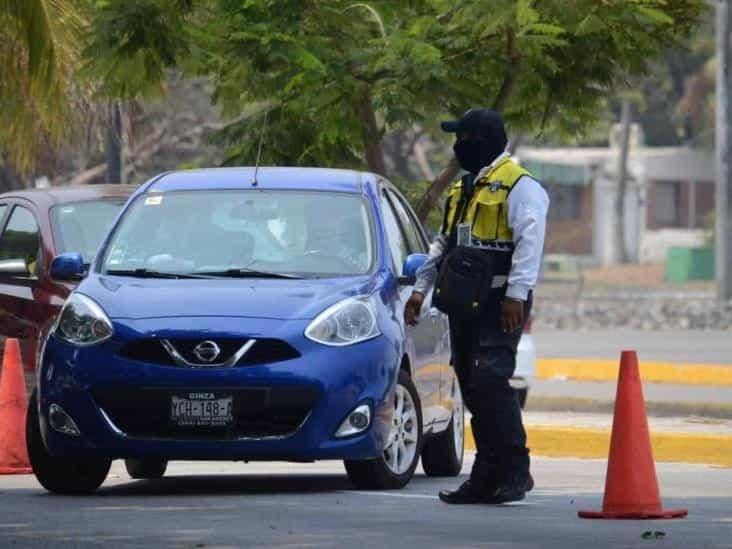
[(504, 215)]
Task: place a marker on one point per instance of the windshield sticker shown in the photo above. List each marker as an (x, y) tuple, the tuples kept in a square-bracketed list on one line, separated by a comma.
[(153, 200)]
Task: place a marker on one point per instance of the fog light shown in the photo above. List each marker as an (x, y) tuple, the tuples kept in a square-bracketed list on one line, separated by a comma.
[(61, 421), (356, 422)]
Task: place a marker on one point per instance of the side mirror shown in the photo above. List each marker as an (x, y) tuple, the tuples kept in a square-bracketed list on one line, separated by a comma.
[(14, 267), (67, 267), (411, 265)]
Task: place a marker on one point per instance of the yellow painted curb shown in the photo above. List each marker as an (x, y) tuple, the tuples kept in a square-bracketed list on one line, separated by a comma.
[(595, 443), (588, 369)]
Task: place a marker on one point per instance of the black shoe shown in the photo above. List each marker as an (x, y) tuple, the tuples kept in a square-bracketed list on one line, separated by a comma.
[(513, 489), (465, 495), (529, 483)]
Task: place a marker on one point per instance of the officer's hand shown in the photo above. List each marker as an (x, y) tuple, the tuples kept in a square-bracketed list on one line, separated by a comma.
[(412, 308), (512, 315)]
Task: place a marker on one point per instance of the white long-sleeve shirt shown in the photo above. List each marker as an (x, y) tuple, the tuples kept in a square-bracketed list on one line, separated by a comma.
[(528, 204)]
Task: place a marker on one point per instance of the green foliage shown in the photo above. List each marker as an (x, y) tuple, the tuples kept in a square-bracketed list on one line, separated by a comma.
[(39, 51), (335, 76), (135, 43)]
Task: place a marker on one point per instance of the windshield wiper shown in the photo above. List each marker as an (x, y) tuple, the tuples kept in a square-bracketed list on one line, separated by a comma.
[(243, 272), (151, 273)]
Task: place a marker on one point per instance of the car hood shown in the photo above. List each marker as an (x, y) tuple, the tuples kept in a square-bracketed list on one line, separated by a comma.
[(285, 299)]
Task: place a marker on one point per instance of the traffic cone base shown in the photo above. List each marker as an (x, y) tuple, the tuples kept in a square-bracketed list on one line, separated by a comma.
[(13, 405), (631, 487), (643, 515), (15, 470)]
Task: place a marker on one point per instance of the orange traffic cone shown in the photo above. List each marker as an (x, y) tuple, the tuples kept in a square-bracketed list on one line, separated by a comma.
[(13, 406), (631, 487)]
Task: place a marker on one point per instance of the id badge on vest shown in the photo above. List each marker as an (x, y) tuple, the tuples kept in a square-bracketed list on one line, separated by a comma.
[(464, 231)]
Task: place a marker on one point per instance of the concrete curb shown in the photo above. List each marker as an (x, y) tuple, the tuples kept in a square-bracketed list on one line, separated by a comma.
[(653, 408), (591, 369), (711, 449)]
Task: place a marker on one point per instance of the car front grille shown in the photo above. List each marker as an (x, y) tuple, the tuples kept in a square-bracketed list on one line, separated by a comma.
[(258, 412), (261, 351)]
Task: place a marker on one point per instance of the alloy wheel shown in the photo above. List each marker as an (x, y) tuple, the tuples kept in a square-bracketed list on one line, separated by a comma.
[(401, 447)]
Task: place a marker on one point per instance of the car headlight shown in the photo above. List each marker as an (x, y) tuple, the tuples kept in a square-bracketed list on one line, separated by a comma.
[(82, 322), (347, 322)]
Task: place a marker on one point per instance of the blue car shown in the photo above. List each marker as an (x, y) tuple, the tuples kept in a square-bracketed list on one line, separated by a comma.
[(233, 318)]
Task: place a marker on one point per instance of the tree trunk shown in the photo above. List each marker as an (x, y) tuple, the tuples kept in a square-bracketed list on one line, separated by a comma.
[(723, 205), (373, 150), (113, 145), (9, 179), (622, 251), (513, 64)]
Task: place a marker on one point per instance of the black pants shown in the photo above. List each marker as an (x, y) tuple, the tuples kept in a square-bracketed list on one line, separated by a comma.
[(484, 363)]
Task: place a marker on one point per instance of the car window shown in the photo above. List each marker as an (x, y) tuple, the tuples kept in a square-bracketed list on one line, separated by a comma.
[(79, 227), (303, 233), (3, 209), (21, 240), (411, 231), (397, 243)]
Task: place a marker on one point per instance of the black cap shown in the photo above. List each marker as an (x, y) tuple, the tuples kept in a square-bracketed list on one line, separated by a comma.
[(482, 122)]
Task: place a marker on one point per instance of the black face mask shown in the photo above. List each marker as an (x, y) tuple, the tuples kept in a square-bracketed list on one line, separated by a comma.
[(474, 154)]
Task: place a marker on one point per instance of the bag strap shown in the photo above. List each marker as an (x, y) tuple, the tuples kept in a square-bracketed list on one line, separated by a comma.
[(468, 187)]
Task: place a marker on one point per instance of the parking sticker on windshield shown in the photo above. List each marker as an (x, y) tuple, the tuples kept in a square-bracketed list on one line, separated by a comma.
[(153, 200)]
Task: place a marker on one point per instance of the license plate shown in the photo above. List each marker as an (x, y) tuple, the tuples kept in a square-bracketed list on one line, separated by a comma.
[(201, 410)]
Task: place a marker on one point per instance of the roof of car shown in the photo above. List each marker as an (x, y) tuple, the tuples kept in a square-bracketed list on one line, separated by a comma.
[(320, 179), (78, 193)]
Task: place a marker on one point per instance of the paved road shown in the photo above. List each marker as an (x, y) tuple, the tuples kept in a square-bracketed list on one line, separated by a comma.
[(691, 346), (283, 505)]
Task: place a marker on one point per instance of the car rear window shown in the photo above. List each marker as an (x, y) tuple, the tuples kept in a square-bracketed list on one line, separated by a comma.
[(79, 227)]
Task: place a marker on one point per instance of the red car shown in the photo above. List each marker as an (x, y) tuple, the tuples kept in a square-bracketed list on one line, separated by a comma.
[(35, 226)]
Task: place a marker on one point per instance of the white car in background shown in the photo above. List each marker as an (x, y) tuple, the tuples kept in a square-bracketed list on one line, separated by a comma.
[(525, 373)]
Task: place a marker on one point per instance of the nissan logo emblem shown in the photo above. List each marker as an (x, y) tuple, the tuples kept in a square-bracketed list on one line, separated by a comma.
[(207, 351)]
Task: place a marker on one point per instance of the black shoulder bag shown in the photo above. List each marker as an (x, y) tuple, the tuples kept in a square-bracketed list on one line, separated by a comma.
[(465, 273)]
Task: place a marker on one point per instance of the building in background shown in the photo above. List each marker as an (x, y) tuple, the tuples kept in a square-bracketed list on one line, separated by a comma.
[(669, 199)]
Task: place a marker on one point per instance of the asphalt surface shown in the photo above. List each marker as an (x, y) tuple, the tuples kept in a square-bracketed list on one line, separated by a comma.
[(686, 346), (288, 505)]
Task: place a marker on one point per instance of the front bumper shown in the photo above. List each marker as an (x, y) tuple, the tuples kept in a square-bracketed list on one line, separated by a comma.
[(340, 378)]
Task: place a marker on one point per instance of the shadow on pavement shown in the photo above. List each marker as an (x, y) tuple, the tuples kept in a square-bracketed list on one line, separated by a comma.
[(230, 484)]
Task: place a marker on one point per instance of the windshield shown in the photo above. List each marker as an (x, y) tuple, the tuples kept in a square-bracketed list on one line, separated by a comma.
[(243, 232), (79, 227)]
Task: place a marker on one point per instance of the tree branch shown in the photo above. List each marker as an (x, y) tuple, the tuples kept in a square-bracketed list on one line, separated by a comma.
[(420, 155), (439, 184), (510, 75), (413, 141)]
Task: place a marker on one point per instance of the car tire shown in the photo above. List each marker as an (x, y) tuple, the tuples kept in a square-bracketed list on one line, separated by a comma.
[(146, 468), (62, 475), (389, 472), (442, 455), (522, 394)]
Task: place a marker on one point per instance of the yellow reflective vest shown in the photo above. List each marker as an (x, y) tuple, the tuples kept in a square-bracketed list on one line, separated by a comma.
[(487, 211)]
